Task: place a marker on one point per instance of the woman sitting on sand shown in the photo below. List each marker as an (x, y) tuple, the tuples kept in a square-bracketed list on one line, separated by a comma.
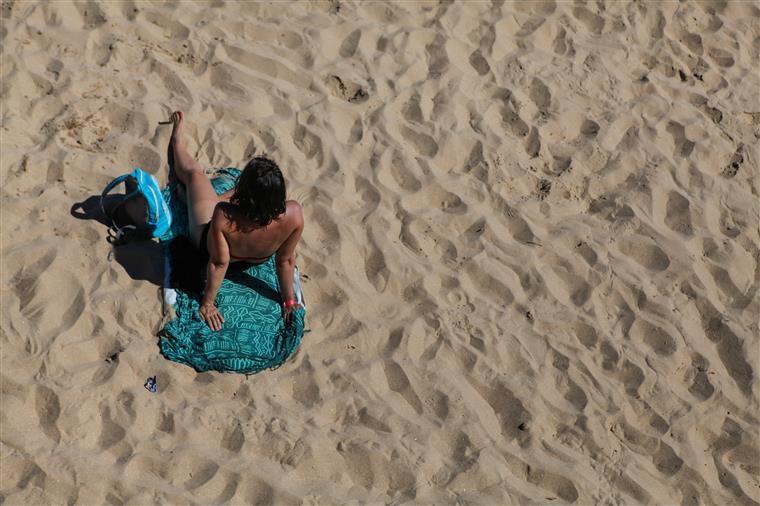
[(249, 223)]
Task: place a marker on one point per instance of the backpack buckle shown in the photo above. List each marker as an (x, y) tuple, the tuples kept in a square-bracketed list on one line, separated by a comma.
[(118, 236)]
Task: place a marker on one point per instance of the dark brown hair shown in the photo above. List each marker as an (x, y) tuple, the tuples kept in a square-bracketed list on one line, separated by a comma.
[(260, 191)]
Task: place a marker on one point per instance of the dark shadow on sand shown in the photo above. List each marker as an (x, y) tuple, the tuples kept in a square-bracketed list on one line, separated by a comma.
[(90, 209), (142, 259), (189, 265)]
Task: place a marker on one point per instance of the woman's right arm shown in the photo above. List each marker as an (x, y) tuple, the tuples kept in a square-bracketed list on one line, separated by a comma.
[(285, 258), (219, 260)]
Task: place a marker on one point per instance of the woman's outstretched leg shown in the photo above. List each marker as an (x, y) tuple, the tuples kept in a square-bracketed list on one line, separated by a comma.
[(200, 195)]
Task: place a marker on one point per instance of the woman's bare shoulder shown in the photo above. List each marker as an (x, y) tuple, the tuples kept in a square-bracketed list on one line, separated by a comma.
[(223, 214), (293, 210)]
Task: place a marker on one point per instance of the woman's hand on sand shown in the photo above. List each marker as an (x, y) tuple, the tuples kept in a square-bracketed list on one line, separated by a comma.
[(211, 315), (287, 311)]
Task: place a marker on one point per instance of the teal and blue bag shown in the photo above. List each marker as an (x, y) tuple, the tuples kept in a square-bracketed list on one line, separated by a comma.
[(141, 211)]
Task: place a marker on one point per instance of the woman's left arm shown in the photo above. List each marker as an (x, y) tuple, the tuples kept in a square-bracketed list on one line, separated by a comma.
[(219, 260)]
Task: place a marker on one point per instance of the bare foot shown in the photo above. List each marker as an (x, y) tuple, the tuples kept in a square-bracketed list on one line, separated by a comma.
[(178, 119), (176, 144)]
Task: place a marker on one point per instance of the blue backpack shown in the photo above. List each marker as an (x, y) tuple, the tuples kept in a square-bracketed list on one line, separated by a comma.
[(141, 211)]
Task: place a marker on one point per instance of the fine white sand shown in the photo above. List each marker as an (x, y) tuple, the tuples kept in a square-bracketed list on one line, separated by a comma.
[(531, 252)]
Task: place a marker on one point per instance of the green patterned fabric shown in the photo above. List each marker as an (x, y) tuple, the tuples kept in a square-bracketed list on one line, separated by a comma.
[(254, 335)]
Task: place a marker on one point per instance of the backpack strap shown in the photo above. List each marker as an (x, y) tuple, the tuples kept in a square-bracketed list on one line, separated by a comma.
[(119, 232), (110, 186)]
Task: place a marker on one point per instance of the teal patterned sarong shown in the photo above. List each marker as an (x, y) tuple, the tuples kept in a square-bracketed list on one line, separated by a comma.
[(254, 335)]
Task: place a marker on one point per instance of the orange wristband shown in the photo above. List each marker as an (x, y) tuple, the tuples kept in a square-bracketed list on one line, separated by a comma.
[(289, 303)]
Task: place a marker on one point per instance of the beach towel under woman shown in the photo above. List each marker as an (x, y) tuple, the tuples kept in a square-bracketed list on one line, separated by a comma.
[(254, 336)]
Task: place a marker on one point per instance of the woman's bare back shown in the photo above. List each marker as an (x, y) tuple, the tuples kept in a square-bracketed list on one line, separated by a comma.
[(253, 243)]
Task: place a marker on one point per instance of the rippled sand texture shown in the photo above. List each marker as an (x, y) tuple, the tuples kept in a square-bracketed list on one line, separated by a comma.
[(531, 252)]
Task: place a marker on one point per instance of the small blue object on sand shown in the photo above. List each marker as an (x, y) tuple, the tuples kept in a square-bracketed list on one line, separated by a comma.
[(151, 385)]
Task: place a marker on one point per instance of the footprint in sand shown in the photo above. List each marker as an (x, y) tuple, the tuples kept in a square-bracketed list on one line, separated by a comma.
[(509, 410), (655, 22), (438, 60), (729, 346), (514, 122), (173, 29), (693, 41), (696, 377), (588, 254), (593, 22), (145, 157), (555, 483), (736, 298), (589, 128), (682, 145), (375, 267), (540, 94), (25, 281), (398, 174), (198, 472), (166, 423), (479, 63), (350, 43), (440, 404), (411, 110), (533, 143), (305, 388), (110, 433), (398, 381), (610, 356), (731, 436), (308, 143), (530, 26), (721, 57), (562, 44), (655, 337), (632, 376), (586, 334), (570, 390), (645, 252), (358, 462), (48, 410), (678, 214), (92, 15), (422, 143), (233, 439), (372, 422)]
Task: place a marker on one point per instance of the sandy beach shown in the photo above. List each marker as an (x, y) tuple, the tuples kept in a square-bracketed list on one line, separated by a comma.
[(531, 253)]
